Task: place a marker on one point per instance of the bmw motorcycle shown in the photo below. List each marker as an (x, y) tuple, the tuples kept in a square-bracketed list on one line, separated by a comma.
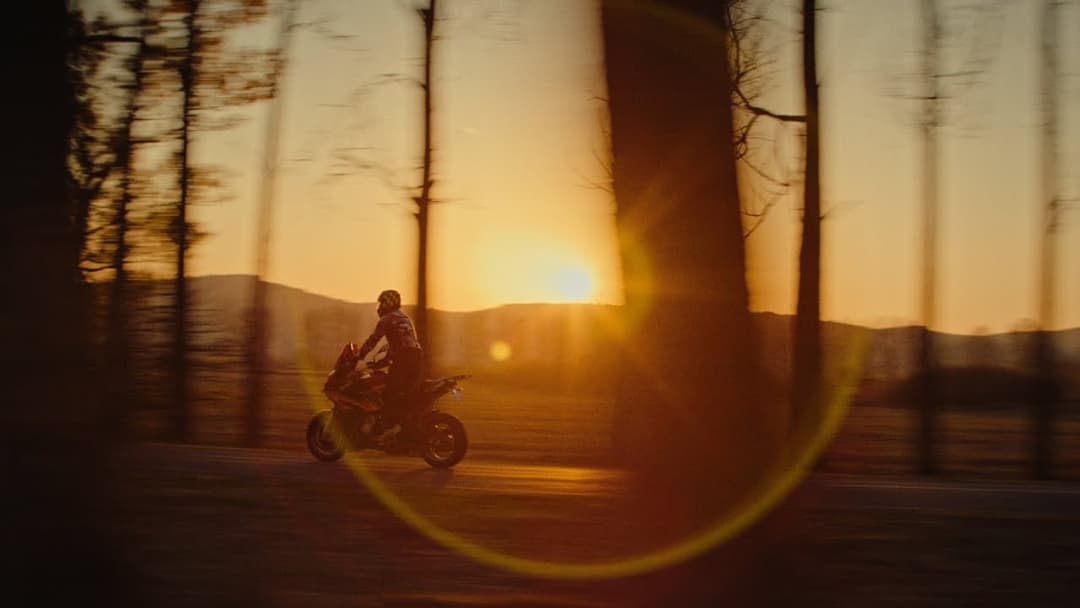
[(356, 421)]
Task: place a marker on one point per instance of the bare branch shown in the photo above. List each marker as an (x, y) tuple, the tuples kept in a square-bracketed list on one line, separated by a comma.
[(757, 170), (840, 205), (760, 218), (758, 110)]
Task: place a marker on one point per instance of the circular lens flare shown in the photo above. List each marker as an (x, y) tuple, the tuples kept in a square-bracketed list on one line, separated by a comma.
[(500, 351), (768, 494)]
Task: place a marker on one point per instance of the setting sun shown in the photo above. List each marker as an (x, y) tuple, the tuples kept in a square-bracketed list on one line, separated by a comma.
[(574, 285), (536, 262)]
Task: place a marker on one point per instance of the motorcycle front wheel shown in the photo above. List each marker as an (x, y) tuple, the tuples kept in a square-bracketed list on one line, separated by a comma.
[(321, 440), (445, 441)]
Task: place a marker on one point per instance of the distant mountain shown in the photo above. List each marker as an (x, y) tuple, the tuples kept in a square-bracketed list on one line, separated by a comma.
[(303, 324), (310, 327)]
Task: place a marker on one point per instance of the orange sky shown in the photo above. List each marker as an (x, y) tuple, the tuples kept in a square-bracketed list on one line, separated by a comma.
[(518, 142)]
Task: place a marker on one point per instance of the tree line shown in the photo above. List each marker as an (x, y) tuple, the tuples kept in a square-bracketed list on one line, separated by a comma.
[(150, 75)]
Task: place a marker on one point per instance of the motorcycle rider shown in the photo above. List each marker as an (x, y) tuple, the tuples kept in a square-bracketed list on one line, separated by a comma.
[(405, 357)]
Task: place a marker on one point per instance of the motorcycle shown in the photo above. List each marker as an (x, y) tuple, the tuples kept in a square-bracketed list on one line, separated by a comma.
[(356, 421)]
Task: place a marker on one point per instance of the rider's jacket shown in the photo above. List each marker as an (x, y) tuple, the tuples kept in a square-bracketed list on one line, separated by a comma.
[(399, 332)]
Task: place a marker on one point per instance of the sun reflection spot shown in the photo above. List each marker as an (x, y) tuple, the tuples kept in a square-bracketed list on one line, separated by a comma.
[(500, 351)]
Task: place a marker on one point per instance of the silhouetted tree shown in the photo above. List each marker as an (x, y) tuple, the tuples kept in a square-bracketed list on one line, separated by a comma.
[(806, 389), (188, 71), (687, 407), (256, 347), (211, 77), (124, 213), (93, 151), (749, 65), (928, 393), (50, 418), (423, 199), (102, 140), (117, 348), (1044, 402), (934, 94)]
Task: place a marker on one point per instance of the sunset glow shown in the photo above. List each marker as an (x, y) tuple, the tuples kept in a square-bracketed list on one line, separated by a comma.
[(524, 217), (535, 261)]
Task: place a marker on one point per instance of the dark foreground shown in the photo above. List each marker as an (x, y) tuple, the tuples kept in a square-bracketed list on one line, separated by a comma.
[(219, 526)]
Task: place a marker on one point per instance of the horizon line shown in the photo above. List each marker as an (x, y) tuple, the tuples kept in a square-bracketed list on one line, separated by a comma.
[(601, 304)]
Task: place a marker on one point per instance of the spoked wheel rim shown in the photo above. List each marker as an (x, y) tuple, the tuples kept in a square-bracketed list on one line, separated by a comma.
[(441, 442), (324, 440), (321, 440)]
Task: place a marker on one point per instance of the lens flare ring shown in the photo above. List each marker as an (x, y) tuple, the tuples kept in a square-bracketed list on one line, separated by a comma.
[(767, 496), (753, 507)]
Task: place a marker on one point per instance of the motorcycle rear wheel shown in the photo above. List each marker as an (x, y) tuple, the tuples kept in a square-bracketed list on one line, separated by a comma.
[(445, 441), (321, 440)]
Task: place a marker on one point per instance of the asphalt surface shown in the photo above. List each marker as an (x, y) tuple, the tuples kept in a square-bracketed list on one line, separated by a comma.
[(213, 526)]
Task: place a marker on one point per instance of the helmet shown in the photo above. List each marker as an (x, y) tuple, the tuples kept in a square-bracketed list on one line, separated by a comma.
[(389, 300)]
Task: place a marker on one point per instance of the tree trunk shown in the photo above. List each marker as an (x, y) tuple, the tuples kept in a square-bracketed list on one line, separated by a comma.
[(50, 425), (181, 426), (806, 389), (687, 408), (117, 348), (253, 417), (423, 201), (928, 389), (1046, 391)]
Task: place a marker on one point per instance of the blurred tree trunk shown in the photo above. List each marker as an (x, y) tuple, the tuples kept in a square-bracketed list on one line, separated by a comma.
[(192, 58), (44, 320), (687, 406), (806, 389), (93, 151), (181, 419), (928, 389), (54, 455), (423, 200), (1046, 391), (257, 343), (117, 325)]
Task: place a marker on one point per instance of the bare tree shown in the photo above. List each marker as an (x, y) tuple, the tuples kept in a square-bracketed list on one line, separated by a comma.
[(108, 65), (686, 394), (749, 64), (806, 390), (938, 85), (187, 69), (930, 122), (212, 77), (1043, 452), (423, 199), (257, 343), (117, 343), (92, 151)]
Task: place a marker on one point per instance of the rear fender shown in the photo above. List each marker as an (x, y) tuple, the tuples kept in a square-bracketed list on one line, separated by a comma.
[(444, 385)]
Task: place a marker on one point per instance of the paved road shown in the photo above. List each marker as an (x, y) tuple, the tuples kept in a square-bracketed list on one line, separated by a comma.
[(1026, 499), (412, 476), (217, 525)]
